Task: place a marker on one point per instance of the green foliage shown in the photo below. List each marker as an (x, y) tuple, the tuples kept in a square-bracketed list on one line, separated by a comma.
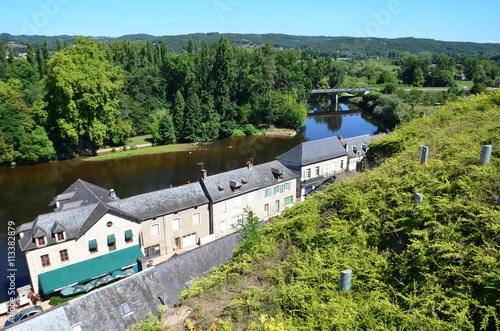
[(166, 130), (120, 133), (151, 323), (434, 268), (390, 109), (81, 93), (249, 230)]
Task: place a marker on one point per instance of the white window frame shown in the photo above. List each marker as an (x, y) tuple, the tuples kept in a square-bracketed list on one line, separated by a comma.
[(196, 218), (176, 224), (155, 232)]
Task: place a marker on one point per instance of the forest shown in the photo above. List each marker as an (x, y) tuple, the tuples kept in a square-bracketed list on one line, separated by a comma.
[(72, 97), (429, 264)]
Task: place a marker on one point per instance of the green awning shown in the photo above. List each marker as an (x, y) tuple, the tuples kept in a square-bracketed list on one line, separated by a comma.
[(92, 244), (111, 240), (84, 271), (128, 234)]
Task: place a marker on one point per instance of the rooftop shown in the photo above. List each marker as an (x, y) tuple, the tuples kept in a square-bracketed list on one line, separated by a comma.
[(314, 151)]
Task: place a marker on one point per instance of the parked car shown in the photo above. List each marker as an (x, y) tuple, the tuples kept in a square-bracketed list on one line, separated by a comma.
[(24, 314)]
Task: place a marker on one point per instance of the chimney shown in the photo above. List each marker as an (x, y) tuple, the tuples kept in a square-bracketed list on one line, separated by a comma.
[(249, 164), (112, 194), (346, 146), (204, 175)]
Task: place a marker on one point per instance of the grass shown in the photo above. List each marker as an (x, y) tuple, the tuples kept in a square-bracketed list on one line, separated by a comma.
[(148, 150), (55, 300), (140, 140), (464, 83)]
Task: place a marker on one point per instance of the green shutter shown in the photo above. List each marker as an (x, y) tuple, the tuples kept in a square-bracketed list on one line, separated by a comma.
[(92, 244), (111, 240), (288, 200), (128, 234)]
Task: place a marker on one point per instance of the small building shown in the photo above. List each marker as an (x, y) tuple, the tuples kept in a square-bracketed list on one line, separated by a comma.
[(315, 161), (82, 239), (356, 148), (172, 219), (266, 189)]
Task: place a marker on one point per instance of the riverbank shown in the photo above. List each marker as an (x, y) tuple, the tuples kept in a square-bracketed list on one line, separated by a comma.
[(152, 148)]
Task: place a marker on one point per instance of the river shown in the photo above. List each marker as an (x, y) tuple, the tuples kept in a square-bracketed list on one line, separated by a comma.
[(26, 191)]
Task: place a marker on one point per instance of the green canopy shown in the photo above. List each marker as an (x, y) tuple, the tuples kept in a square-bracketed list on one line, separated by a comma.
[(92, 244), (128, 234), (111, 240), (84, 271)]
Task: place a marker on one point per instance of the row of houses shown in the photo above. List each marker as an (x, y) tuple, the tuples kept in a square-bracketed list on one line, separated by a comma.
[(93, 233)]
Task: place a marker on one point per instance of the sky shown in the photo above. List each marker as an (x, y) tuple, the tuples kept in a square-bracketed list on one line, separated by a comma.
[(449, 20)]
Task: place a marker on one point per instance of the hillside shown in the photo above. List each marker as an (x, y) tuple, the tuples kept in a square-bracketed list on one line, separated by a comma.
[(431, 268), (345, 46)]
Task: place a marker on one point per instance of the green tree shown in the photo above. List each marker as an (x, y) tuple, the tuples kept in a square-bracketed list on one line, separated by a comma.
[(40, 60), (337, 75), (386, 77), (391, 110), (473, 68), (120, 133), (166, 129), (268, 64), (193, 130), (36, 147), (412, 70), (250, 231), (11, 56), (178, 114), (81, 94), (3, 60), (7, 152)]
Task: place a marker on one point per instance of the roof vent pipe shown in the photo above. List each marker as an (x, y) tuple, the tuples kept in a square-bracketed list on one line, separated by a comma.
[(112, 194)]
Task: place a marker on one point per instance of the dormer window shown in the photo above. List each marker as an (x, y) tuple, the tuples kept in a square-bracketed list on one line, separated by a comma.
[(354, 149), (60, 236), (220, 188), (41, 241), (235, 185)]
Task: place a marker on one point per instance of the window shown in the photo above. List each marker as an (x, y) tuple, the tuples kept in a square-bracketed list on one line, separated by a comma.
[(93, 246), (45, 260), (268, 192), (40, 241), (176, 224), (155, 230), (308, 173), (266, 209), (354, 149), (316, 171), (112, 242), (129, 236), (276, 189), (341, 164), (109, 224), (177, 243), (288, 186), (277, 206), (189, 240), (196, 218), (64, 255), (60, 236), (126, 309), (288, 200), (224, 207), (152, 251)]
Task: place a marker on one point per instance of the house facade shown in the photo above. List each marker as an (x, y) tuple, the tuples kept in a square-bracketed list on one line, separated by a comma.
[(172, 220), (266, 189), (83, 227), (315, 162), (356, 148)]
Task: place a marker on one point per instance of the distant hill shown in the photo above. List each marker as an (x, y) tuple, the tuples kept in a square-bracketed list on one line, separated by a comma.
[(345, 46)]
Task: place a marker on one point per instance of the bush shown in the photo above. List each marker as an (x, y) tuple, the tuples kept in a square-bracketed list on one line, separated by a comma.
[(249, 129)]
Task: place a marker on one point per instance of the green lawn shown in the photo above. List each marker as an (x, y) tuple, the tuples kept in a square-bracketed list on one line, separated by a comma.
[(140, 140), (464, 83), (147, 150)]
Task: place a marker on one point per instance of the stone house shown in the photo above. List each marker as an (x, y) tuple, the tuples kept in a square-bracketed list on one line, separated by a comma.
[(265, 188), (315, 162), (84, 238)]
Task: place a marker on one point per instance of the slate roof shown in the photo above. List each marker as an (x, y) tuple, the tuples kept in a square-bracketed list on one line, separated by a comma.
[(162, 202), (244, 180), (82, 193), (80, 207), (314, 151), (359, 142)]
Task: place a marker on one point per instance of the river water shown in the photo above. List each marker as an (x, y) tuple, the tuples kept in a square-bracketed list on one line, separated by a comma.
[(26, 191)]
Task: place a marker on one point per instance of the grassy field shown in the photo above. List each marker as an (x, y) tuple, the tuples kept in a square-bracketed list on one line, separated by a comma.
[(140, 140), (148, 150)]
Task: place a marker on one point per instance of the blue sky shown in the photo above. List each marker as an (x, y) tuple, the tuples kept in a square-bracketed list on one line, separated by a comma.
[(456, 20)]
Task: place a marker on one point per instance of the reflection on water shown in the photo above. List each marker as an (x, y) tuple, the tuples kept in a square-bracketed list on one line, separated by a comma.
[(26, 191)]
